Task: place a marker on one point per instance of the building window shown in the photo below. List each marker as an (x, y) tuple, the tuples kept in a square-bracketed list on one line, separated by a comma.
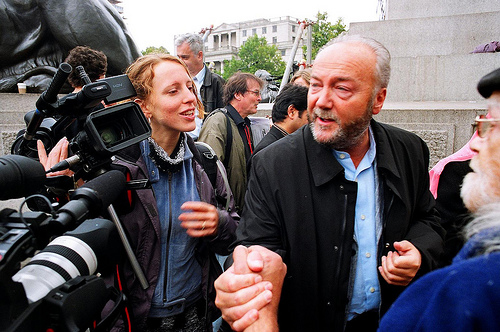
[(254, 31), (293, 39), (275, 28), (264, 30), (293, 28), (275, 40), (283, 52), (244, 33)]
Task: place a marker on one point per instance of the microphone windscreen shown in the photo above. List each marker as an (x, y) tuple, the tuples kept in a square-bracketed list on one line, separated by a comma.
[(104, 189), (20, 176)]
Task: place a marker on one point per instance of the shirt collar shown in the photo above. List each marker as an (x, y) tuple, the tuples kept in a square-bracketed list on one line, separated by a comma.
[(200, 76)]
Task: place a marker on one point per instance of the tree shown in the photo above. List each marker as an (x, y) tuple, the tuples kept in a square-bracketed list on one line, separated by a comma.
[(323, 31), (253, 55), (154, 49)]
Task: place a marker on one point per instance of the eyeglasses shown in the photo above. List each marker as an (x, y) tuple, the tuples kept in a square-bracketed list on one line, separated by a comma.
[(256, 92), (482, 124)]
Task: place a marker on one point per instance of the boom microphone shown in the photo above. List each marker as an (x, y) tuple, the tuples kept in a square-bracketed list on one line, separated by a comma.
[(20, 176), (91, 199)]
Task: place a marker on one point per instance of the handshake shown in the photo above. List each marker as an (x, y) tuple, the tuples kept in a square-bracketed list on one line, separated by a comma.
[(248, 293)]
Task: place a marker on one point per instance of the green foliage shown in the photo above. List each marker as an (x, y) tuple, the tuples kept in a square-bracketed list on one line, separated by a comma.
[(153, 49), (324, 31), (254, 55)]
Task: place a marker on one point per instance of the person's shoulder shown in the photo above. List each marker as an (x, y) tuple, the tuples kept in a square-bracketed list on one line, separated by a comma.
[(214, 123), (216, 115), (286, 147), (468, 274), (393, 131), (214, 77), (386, 132)]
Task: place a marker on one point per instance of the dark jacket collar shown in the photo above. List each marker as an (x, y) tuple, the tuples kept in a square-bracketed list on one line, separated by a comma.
[(233, 113), (207, 80), (385, 155)]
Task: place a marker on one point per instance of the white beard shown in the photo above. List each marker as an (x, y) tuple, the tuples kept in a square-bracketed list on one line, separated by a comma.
[(480, 187)]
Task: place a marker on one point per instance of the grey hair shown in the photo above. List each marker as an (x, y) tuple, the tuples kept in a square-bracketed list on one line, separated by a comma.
[(486, 217), (194, 41), (383, 66)]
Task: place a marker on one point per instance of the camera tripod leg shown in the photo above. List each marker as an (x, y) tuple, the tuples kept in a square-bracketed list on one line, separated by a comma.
[(128, 249)]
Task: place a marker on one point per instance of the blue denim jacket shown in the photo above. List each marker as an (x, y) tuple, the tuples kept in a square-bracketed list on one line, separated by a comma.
[(179, 279)]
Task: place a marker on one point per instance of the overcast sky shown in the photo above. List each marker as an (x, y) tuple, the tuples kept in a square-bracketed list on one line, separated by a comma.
[(156, 22)]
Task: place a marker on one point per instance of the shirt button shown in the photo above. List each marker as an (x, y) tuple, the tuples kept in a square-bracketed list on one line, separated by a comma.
[(372, 290), (363, 217), (342, 156), (153, 173), (328, 303), (368, 255)]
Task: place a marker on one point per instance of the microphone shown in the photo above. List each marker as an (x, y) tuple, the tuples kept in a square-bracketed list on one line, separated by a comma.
[(91, 199), (20, 176), (48, 97), (65, 164)]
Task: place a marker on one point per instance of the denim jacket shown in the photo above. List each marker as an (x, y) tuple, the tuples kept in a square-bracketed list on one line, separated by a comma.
[(142, 224)]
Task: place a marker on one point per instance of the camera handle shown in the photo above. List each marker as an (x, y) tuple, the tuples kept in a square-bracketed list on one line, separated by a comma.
[(128, 249)]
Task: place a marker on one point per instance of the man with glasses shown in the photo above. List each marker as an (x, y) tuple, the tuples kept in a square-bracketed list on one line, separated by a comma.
[(227, 130), (465, 296)]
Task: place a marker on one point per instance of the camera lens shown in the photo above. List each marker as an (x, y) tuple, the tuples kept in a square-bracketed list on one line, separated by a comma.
[(65, 258), (112, 134)]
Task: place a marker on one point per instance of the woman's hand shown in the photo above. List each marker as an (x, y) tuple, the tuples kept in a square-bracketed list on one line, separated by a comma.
[(203, 220), (57, 154)]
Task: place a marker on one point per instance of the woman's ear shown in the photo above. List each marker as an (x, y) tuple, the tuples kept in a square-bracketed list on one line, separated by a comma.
[(144, 107)]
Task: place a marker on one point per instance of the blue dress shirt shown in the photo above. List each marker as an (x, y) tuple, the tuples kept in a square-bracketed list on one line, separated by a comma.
[(366, 289)]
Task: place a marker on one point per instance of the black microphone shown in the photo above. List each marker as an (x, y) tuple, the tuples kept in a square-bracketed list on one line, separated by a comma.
[(90, 200), (65, 164), (46, 98), (20, 176)]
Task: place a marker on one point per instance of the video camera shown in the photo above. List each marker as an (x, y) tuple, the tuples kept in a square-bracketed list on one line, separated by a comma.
[(95, 133), (57, 289)]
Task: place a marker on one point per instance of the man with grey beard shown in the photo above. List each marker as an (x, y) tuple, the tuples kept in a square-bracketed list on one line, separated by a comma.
[(345, 202), (465, 296)]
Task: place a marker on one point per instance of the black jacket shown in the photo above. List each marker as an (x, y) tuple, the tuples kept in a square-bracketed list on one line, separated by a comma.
[(299, 204), (272, 136), (211, 91)]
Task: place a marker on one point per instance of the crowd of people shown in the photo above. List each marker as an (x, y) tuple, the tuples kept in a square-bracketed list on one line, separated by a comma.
[(333, 223)]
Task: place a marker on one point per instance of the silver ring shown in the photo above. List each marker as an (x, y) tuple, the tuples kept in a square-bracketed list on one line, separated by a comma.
[(203, 225)]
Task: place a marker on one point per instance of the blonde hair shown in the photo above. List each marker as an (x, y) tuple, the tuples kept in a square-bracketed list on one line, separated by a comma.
[(305, 74), (141, 74)]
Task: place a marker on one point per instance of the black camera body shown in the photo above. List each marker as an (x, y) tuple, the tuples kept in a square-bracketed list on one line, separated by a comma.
[(95, 132)]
